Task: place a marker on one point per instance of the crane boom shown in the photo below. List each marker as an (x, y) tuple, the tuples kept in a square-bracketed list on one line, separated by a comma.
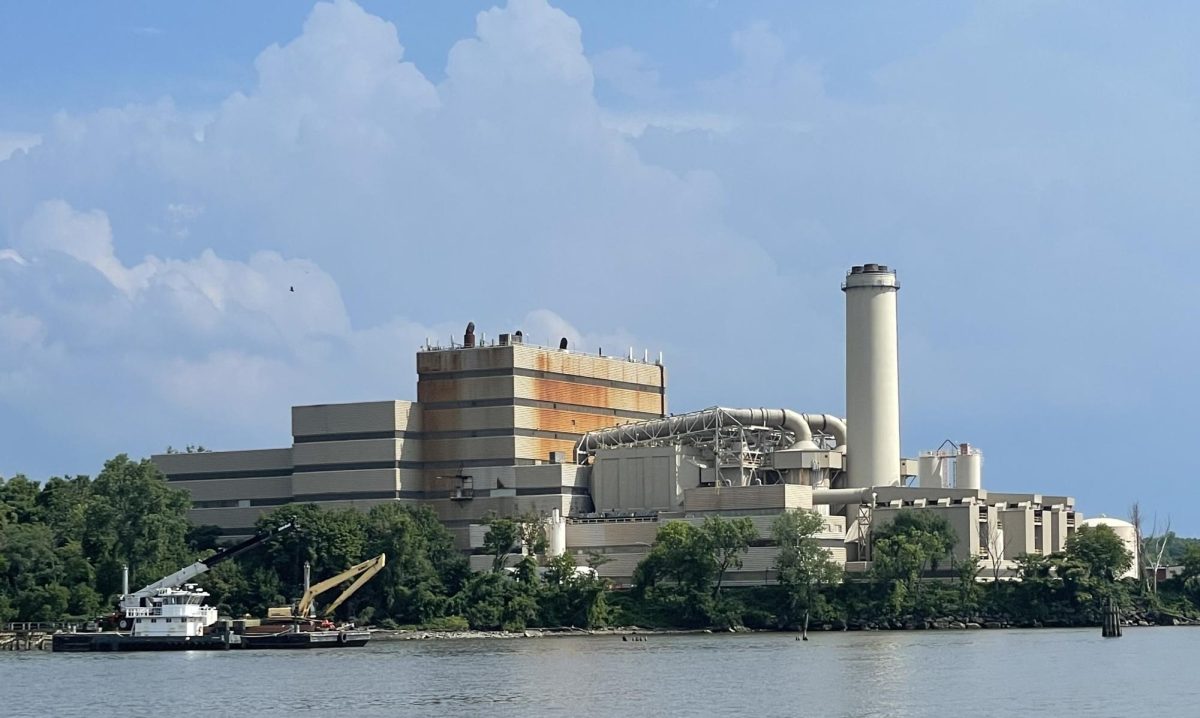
[(364, 571), (185, 574)]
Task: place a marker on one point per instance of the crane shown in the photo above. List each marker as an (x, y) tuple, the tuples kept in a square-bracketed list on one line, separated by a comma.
[(183, 575), (304, 607)]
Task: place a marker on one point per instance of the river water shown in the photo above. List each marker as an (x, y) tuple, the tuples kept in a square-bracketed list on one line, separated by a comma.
[(1150, 671)]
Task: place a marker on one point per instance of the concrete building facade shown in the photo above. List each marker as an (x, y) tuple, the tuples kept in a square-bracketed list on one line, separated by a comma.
[(585, 441), (494, 430)]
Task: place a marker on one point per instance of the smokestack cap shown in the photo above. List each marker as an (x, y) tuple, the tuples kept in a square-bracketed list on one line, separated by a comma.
[(871, 268), (871, 275)]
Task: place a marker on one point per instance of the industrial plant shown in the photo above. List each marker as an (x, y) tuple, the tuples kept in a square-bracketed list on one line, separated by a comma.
[(506, 428)]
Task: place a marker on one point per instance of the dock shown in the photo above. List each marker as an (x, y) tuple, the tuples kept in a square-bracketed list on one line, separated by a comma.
[(29, 636)]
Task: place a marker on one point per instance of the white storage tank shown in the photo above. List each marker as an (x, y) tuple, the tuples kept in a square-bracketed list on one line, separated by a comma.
[(1126, 532), (968, 468), (932, 470)]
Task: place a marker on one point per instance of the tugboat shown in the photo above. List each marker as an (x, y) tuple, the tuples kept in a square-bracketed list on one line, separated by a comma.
[(170, 615)]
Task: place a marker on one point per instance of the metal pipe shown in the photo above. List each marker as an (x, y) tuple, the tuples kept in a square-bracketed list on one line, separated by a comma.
[(828, 424), (841, 496), (700, 421)]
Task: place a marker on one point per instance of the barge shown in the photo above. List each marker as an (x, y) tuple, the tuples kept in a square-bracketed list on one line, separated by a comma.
[(170, 615), (112, 641)]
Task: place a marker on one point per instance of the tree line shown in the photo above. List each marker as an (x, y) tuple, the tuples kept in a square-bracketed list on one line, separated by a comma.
[(63, 542)]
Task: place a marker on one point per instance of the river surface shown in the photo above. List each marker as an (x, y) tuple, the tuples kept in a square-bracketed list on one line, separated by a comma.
[(1148, 672)]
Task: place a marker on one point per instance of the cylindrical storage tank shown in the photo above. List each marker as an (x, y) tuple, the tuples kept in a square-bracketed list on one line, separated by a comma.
[(556, 534), (932, 471), (1128, 535), (872, 377), (968, 468)]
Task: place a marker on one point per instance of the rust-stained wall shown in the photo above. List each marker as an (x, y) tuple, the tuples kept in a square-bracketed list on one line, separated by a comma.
[(493, 413)]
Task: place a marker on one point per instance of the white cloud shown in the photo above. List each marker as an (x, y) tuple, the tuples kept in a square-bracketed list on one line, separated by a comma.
[(86, 237), (627, 71), (13, 142)]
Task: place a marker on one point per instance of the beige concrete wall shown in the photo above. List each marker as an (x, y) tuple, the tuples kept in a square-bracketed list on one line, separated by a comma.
[(596, 534), (221, 461), (327, 482), (567, 392), (349, 452), (363, 505), (437, 361), (431, 390), (734, 498), (835, 526), (537, 448), (886, 494), (563, 420), (229, 517), (501, 449), (468, 419), (356, 417), (611, 368), (1018, 530), (1057, 521), (269, 487)]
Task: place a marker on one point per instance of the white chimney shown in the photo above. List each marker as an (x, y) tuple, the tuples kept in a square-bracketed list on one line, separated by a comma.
[(872, 377)]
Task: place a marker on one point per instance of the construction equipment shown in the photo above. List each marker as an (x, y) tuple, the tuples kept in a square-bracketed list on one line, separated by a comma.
[(304, 607), (142, 596)]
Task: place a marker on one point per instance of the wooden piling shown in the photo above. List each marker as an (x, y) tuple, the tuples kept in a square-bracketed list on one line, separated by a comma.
[(1112, 620)]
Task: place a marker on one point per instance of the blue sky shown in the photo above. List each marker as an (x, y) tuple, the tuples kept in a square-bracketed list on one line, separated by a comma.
[(692, 177)]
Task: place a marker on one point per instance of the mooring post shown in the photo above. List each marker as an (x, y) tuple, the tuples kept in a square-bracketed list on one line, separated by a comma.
[(1111, 625)]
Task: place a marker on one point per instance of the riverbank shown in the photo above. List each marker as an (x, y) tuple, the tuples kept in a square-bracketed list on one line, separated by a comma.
[(383, 634), (948, 623)]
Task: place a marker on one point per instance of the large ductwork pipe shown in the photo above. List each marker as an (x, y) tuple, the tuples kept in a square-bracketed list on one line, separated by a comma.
[(872, 376), (705, 421), (841, 496), (828, 424)]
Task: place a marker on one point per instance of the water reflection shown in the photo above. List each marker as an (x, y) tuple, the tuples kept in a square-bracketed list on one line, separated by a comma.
[(925, 673)]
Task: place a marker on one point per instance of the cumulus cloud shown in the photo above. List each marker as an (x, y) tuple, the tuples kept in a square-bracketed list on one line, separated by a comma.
[(13, 142), (1033, 194), (156, 248)]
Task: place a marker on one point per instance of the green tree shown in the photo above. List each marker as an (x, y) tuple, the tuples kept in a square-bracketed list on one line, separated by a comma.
[(29, 572), (19, 495), (802, 565), (63, 503), (676, 576), (1100, 551), (525, 533), (571, 597), (492, 600), (423, 568), (329, 540), (913, 543), (502, 538), (132, 516), (728, 540)]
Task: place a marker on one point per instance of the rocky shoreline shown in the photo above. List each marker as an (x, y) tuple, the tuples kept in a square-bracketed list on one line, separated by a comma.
[(381, 634), (948, 623)]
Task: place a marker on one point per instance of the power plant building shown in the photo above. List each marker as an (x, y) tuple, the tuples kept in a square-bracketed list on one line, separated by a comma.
[(507, 428)]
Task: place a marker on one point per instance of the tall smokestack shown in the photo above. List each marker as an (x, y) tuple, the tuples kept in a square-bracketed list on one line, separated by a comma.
[(872, 377)]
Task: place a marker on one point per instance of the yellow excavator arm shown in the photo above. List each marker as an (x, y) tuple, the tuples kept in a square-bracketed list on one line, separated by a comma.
[(364, 571)]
